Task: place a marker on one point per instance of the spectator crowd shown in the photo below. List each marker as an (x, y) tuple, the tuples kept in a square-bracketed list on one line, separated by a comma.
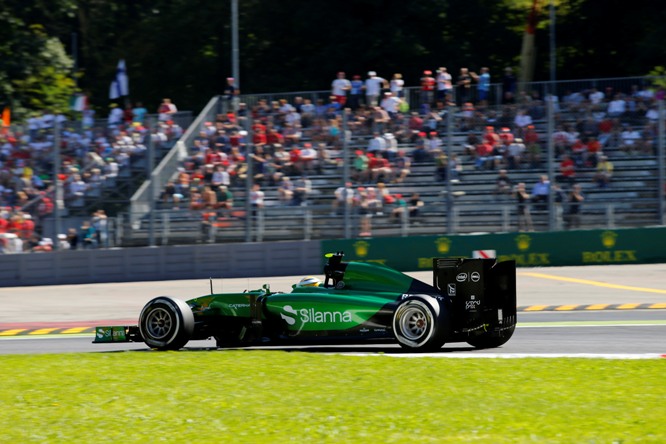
[(390, 129), (92, 154)]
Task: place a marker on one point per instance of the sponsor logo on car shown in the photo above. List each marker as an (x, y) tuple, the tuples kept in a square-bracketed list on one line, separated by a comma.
[(462, 277), (110, 334), (311, 315), (475, 276), (103, 332), (472, 304), (451, 289)]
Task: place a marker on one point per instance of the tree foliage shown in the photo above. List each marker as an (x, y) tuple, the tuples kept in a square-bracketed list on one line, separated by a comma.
[(35, 68), (182, 48)]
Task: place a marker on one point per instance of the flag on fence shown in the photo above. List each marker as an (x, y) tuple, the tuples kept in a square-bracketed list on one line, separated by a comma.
[(120, 84), (79, 102), (6, 117)]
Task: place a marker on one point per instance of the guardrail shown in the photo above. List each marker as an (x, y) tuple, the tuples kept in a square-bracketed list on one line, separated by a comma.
[(142, 201), (320, 222)]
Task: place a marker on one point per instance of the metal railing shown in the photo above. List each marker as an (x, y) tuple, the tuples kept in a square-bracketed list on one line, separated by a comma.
[(142, 201), (413, 93), (316, 222)]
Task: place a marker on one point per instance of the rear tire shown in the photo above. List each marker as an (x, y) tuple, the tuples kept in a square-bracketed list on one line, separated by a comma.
[(417, 326), (166, 323)]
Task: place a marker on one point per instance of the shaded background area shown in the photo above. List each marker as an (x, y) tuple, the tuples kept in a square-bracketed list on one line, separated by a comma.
[(182, 49)]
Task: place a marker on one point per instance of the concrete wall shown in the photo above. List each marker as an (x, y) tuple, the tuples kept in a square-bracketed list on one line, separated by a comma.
[(161, 263)]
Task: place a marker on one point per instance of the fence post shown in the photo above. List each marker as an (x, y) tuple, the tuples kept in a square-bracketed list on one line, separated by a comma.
[(610, 216), (661, 152), (151, 181), (404, 222), (449, 170), (166, 228), (248, 180), (307, 226), (506, 218), (452, 219), (58, 198), (345, 172), (260, 224), (552, 216)]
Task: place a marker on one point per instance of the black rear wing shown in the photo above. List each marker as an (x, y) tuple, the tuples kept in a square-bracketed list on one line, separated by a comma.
[(480, 290)]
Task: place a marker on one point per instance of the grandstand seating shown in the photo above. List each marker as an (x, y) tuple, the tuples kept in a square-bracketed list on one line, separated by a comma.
[(630, 200)]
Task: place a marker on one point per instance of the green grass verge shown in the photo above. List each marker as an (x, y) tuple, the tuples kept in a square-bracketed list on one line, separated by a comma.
[(273, 396)]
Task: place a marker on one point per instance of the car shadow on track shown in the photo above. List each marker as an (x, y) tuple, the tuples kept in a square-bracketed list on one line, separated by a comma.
[(319, 349)]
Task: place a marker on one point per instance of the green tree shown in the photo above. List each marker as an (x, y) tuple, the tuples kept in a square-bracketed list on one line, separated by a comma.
[(35, 70)]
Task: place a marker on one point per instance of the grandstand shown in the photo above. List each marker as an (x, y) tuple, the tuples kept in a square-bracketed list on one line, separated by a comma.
[(631, 200), (466, 204)]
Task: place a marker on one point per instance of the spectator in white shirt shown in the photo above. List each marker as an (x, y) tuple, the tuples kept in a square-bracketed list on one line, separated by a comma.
[(617, 107), (596, 96), (390, 104), (340, 87), (630, 138), (377, 144), (522, 120), (373, 88)]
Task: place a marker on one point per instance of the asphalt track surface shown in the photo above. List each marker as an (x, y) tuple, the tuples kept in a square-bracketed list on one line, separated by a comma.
[(609, 311)]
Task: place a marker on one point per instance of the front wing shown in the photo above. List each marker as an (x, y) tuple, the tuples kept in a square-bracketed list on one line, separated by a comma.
[(128, 333)]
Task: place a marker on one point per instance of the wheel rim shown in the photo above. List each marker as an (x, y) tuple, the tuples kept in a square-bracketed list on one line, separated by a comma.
[(159, 323), (413, 323)]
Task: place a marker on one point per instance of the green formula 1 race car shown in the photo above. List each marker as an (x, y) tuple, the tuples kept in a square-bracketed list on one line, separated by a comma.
[(470, 300)]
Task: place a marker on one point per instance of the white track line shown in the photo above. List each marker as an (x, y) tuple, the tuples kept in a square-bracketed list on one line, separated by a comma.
[(468, 355)]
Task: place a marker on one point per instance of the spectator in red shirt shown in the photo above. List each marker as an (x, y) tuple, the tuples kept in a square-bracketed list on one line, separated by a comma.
[(259, 138), (308, 158), (531, 139), (567, 174), (14, 225), (274, 136), (506, 136), (214, 157), (45, 206), (483, 150), (380, 167), (428, 83), (578, 152), (606, 129), (258, 126), (234, 139), (593, 152), (491, 137), (415, 123), (4, 223), (295, 160), (237, 165)]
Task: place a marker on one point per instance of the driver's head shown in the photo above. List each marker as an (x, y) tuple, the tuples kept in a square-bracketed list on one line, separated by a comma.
[(309, 281)]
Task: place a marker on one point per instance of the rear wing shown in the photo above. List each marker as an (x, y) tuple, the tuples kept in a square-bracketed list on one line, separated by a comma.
[(478, 288)]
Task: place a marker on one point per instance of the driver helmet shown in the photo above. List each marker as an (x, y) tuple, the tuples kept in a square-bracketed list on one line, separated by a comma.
[(309, 281)]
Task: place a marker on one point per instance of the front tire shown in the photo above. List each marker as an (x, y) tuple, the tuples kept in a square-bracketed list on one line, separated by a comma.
[(166, 323), (417, 326)]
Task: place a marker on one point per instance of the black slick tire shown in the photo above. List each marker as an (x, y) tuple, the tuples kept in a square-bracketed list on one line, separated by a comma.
[(166, 323)]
